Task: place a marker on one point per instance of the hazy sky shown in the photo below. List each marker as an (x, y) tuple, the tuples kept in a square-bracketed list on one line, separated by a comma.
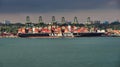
[(17, 10)]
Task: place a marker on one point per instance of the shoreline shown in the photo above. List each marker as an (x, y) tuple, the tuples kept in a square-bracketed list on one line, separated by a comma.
[(51, 37)]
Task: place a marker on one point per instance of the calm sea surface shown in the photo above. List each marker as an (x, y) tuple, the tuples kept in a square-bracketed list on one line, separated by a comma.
[(60, 52)]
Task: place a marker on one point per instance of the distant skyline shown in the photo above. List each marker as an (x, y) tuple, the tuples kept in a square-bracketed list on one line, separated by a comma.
[(17, 10)]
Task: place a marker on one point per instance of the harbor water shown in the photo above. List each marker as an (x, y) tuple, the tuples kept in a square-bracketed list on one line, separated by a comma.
[(60, 52)]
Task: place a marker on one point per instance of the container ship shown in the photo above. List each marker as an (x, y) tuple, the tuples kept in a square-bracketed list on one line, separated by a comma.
[(56, 32), (47, 35)]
